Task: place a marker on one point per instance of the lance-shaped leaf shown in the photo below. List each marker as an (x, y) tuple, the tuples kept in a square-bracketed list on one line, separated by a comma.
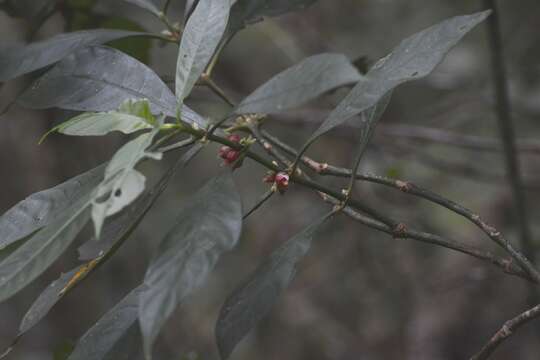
[(122, 184), (300, 83), (16, 60), (41, 250), (188, 8), (245, 12), (115, 231), (148, 5), (96, 124), (208, 224), (249, 303), (368, 122), (117, 228), (413, 59), (100, 339), (100, 78), (132, 116), (200, 39), (42, 208), (46, 300)]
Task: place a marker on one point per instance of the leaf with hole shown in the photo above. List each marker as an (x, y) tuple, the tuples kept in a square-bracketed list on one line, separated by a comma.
[(115, 231), (16, 60), (100, 78), (209, 223), (249, 303), (202, 34), (300, 83), (414, 58), (122, 184)]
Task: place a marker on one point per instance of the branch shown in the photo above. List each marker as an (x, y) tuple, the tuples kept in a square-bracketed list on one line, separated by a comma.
[(409, 188), (358, 205), (506, 331), (505, 265)]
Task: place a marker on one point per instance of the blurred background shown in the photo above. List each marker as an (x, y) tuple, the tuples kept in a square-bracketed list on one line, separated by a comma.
[(359, 294)]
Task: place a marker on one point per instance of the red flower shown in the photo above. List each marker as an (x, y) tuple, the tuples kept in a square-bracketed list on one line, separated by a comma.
[(282, 181), (228, 154)]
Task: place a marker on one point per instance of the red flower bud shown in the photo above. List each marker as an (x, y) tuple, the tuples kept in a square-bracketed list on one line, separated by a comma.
[(282, 181), (228, 154)]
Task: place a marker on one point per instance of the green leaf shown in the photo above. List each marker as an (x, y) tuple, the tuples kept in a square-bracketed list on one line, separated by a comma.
[(16, 60), (44, 207), (122, 184), (41, 250), (208, 224), (139, 108), (100, 78), (413, 59), (368, 122), (300, 83), (148, 5), (132, 116), (119, 227), (100, 339), (115, 231), (95, 124), (249, 303), (200, 39), (46, 300), (245, 12)]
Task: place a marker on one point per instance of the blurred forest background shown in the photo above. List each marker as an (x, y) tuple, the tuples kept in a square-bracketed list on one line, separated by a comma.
[(360, 294)]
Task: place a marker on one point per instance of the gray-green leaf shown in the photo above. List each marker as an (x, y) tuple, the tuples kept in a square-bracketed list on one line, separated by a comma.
[(300, 83), (249, 303), (245, 12), (100, 78), (208, 224), (46, 300), (44, 207), (115, 231), (122, 184), (200, 39), (100, 339), (131, 116), (96, 124), (16, 60), (413, 59), (41, 250)]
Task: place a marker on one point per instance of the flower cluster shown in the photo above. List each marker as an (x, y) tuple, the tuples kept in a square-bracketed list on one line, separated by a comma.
[(228, 154)]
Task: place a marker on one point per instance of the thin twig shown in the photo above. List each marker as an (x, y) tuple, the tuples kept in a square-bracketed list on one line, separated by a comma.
[(507, 330), (506, 129), (358, 205), (409, 188), (505, 265), (267, 195)]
